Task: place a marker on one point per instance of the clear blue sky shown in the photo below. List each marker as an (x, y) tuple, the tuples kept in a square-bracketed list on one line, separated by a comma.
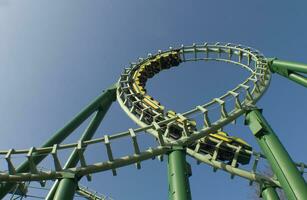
[(56, 56)]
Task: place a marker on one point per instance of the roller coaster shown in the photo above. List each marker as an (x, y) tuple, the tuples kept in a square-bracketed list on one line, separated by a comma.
[(176, 134)]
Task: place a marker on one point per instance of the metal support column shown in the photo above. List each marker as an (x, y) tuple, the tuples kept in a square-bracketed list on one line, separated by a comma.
[(67, 188), (87, 135), (107, 96), (178, 178), (281, 163), (291, 70), (268, 192)]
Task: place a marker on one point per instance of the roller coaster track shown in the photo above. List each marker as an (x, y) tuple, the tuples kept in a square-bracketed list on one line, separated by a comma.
[(230, 106), (20, 192), (90, 194)]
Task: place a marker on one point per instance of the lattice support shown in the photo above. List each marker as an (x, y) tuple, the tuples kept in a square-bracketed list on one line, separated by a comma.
[(160, 133), (33, 167), (11, 167), (135, 146), (206, 115), (80, 151), (109, 152), (56, 161)]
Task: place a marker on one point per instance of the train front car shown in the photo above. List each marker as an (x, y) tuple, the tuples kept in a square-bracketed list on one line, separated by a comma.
[(147, 105), (145, 110)]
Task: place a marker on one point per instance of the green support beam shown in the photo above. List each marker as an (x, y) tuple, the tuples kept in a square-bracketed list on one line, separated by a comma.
[(281, 163), (68, 187), (178, 175), (268, 192), (87, 135), (107, 96), (290, 70), (298, 79)]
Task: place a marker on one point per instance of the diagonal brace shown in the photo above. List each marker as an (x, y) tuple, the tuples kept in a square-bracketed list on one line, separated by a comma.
[(291, 70), (280, 161)]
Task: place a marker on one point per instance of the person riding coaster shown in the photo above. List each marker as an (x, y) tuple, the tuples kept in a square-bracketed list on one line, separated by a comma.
[(209, 143), (225, 153), (182, 125)]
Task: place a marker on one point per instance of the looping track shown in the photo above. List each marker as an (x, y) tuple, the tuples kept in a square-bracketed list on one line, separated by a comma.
[(244, 95), (230, 106)]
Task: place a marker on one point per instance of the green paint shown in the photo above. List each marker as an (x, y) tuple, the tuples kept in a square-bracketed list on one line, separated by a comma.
[(282, 165), (298, 79), (290, 70), (67, 188), (269, 193), (59, 136), (87, 135), (179, 188)]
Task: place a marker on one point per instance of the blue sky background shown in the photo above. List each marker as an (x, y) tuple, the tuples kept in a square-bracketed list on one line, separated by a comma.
[(56, 56)]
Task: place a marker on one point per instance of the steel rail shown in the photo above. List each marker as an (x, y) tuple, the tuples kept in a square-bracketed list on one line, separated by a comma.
[(249, 175), (128, 160), (263, 78), (195, 135), (90, 194), (107, 165), (252, 89), (89, 169)]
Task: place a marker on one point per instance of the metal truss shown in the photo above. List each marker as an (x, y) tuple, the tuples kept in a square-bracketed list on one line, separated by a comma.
[(233, 104)]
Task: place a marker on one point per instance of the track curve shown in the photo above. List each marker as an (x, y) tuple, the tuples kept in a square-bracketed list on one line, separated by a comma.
[(155, 119), (136, 103)]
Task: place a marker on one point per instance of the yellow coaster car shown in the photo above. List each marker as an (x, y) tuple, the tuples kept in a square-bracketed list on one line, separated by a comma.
[(152, 103), (169, 59), (151, 67), (176, 129), (226, 153)]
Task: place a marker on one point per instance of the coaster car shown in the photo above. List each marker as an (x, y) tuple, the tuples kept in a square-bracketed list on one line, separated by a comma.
[(176, 129), (138, 89), (169, 59), (208, 145), (154, 65), (154, 104)]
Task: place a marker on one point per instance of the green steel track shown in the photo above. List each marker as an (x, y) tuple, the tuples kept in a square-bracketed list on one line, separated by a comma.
[(231, 105)]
